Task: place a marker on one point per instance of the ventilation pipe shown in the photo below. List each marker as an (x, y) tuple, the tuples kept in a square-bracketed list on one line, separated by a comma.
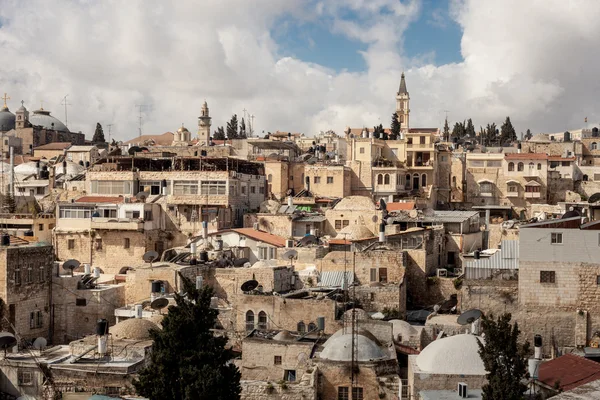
[(138, 311), (87, 269), (204, 230), (381, 232), (290, 201), (519, 148), (537, 349), (96, 272), (102, 333)]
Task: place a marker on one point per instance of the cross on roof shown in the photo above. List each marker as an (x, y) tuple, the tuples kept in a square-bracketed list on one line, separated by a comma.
[(5, 98)]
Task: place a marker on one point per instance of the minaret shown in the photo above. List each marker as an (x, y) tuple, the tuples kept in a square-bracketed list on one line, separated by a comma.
[(402, 105), (204, 125)]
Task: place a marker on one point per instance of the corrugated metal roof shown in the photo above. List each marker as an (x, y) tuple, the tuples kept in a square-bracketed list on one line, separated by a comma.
[(506, 258), (438, 216), (335, 278), (311, 218)]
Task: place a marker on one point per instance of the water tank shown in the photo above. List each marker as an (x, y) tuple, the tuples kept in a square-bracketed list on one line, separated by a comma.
[(87, 269), (102, 345), (533, 367), (102, 327), (321, 323), (155, 287), (477, 254), (96, 272), (5, 239), (138, 311), (203, 256), (81, 163), (567, 137), (28, 233)]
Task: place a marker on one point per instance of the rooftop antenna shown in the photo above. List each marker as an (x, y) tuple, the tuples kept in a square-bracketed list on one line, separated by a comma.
[(159, 304), (150, 256), (251, 124), (140, 108), (109, 129), (66, 103)]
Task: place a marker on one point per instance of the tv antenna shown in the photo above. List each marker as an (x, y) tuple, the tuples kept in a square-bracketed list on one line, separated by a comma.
[(66, 103), (251, 124), (109, 129), (140, 108)]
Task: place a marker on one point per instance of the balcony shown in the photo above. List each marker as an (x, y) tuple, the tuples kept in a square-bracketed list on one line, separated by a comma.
[(419, 146), (533, 195), (118, 224), (512, 194)]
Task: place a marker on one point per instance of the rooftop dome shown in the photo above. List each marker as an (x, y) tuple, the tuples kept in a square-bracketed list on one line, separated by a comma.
[(182, 129), (361, 331), (73, 169), (7, 120), (456, 355), (355, 203), (283, 336), (355, 232), (133, 328), (402, 329), (27, 168), (43, 118), (340, 349)]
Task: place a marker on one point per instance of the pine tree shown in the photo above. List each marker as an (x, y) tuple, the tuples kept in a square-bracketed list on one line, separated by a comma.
[(507, 132), (446, 136), (470, 129), (10, 203), (459, 130), (491, 134), (505, 360), (232, 128), (379, 132), (98, 135), (528, 134), (188, 362), (395, 127), (243, 134), (219, 134)]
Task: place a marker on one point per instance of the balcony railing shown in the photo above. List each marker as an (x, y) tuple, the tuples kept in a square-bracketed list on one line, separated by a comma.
[(533, 195), (128, 224), (419, 146)]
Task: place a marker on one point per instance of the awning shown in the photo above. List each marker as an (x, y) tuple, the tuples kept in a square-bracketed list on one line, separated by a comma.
[(533, 183), (484, 181)]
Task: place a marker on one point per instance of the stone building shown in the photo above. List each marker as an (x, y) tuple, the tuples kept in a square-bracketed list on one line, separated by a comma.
[(352, 210), (249, 243), (51, 150), (26, 288)]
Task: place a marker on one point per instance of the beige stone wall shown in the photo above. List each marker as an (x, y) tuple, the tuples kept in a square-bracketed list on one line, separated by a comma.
[(228, 281), (319, 176), (497, 234), (258, 359), (394, 262), (306, 389), (374, 299), (277, 174)]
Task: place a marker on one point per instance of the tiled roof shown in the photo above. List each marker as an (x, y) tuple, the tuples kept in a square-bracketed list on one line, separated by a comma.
[(571, 370), (165, 139), (559, 158), (99, 199), (406, 206), (339, 241), (261, 236), (54, 146), (526, 156)]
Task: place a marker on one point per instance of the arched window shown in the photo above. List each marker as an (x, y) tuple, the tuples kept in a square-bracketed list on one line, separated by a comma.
[(301, 328), (380, 179), (531, 165), (415, 183), (386, 179), (520, 166), (539, 166), (262, 320), (511, 166), (249, 320), (585, 178), (312, 327), (407, 181), (594, 146), (454, 179), (424, 180), (270, 178)]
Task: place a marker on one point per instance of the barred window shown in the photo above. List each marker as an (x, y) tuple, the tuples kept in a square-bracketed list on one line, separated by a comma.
[(547, 277), (213, 187), (185, 187), (111, 187)]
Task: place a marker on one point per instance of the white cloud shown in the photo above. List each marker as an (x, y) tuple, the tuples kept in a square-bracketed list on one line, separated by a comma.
[(534, 61)]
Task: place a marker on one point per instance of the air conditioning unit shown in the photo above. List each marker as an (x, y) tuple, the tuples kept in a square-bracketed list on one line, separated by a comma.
[(442, 273)]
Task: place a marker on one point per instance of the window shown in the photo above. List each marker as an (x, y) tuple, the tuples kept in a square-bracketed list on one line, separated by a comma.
[(249, 320), (520, 166), (252, 189), (380, 179), (386, 179), (215, 187), (513, 188), (539, 166), (273, 253), (565, 163), (373, 276), (152, 187), (312, 327), (111, 187), (338, 224), (330, 179), (17, 275), (40, 227), (132, 214), (597, 279), (126, 243), (80, 302), (317, 179), (148, 215), (357, 393), (345, 223), (35, 319), (99, 244), (71, 244), (422, 139), (532, 189), (262, 320), (261, 190), (362, 150), (423, 180), (75, 212), (407, 181), (547, 277), (25, 378), (41, 274), (343, 393), (383, 275), (556, 238), (289, 375), (594, 146), (277, 360), (29, 274), (243, 189), (181, 188), (262, 253), (485, 187), (301, 328), (531, 166), (511, 166)]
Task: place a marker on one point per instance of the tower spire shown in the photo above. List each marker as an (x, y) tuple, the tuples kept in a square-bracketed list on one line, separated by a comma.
[(402, 89)]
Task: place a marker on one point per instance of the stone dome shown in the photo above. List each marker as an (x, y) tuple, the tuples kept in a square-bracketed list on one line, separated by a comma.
[(73, 169), (27, 168), (355, 232), (43, 118), (456, 355), (133, 328), (182, 129), (283, 336), (7, 120), (340, 349), (361, 331), (355, 203), (402, 329)]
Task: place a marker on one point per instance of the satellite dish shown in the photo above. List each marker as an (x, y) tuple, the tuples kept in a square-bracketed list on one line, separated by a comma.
[(239, 262), (142, 196), (468, 317), (413, 213), (70, 265), (159, 303), (249, 285), (7, 340), (290, 254), (428, 212), (150, 256), (124, 270), (305, 241), (594, 198), (40, 343), (133, 149)]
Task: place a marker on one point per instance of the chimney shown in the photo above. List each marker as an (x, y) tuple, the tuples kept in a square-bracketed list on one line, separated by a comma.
[(537, 349), (290, 201), (204, 230), (381, 232)]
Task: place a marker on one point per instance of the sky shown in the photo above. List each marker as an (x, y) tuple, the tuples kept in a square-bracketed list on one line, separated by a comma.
[(302, 66)]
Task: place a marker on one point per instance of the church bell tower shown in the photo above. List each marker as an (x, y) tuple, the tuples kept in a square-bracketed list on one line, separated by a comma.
[(204, 125), (403, 105)]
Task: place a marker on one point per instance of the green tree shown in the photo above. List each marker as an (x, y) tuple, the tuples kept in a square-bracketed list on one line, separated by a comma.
[(98, 134), (505, 360), (243, 134), (379, 132), (528, 134), (446, 134), (188, 362), (459, 130), (491, 135), (395, 127), (507, 132), (219, 134), (9, 203), (232, 128), (470, 129)]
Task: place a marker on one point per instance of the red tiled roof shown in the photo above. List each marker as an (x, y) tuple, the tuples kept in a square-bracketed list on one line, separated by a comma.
[(339, 241), (526, 156), (406, 206), (54, 146), (99, 199), (261, 236), (572, 371), (558, 158), (166, 139)]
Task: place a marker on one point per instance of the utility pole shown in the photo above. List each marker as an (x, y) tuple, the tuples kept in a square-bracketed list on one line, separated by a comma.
[(252, 125), (140, 107), (109, 128), (65, 103), (244, 111)]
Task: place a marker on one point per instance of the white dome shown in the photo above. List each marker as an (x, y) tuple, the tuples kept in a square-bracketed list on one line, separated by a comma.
[(455, 355), (27, 168), (355, 203), (355, 232), (402, 328), (340, 349), (73, 169)]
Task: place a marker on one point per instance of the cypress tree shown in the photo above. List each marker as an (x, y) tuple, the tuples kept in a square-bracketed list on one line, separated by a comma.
[(98, 134), (395, 127), (232, 128)]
